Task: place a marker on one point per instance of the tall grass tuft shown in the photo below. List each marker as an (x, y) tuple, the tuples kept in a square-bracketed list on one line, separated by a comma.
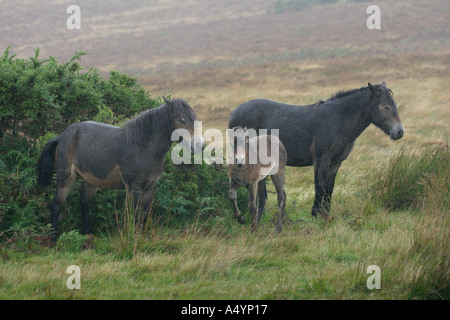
[(130, 235), (419, 180), (431, 247), (432, 235), (414, 177)]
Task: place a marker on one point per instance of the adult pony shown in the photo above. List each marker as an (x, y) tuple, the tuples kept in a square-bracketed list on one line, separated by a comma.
[(110, 157), (323, 134)]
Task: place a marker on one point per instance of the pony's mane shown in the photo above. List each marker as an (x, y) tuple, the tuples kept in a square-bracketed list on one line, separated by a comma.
[(156, 121), (344, 93)]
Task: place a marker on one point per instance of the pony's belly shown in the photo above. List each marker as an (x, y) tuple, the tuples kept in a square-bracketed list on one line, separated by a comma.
[(238, 176), (240, 180), (112, 181), (264, 172), (305, 162)]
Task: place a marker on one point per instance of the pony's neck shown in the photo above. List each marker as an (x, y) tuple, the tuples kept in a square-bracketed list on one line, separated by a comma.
[(358, 105), (150, 131), (158, 123)]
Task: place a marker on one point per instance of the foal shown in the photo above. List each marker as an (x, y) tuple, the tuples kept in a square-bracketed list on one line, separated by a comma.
[(243, 172)]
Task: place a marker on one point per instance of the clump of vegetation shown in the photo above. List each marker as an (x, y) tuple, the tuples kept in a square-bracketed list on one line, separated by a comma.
[(418, 181), (415, 179), (41, 96)]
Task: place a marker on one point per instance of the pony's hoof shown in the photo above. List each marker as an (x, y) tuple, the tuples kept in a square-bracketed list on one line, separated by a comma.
[(287, 221), (241, 220), (319, 212), (325, 216), (232, 194)]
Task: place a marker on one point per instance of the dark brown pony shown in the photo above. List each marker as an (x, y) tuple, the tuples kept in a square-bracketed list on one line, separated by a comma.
[(242, 172), (110, 157), (324, 133)]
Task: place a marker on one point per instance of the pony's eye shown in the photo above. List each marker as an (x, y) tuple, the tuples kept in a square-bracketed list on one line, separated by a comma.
[(183, 121), (387, 108)]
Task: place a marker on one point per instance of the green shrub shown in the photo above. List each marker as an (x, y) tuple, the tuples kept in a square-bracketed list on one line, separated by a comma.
[(125, 97), (71, 241), (38, 96), (29, 239), (197, 191)]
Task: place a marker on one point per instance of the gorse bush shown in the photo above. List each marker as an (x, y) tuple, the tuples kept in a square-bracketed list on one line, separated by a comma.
[(37, 96), (193, 190), (41, 95)]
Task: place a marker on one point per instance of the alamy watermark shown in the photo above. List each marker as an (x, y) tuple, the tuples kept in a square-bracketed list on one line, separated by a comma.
[(74, 280), (257, 151), (374, 281), (74, 20), (374, 20)]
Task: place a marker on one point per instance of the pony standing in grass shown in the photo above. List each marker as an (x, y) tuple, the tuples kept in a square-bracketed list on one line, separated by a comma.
[(110, 157)]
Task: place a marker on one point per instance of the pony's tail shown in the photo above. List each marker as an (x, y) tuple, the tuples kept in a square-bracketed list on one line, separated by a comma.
[(46, 162)]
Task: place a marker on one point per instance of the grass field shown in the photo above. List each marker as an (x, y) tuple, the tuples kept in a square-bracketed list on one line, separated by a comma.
[(217, 56)]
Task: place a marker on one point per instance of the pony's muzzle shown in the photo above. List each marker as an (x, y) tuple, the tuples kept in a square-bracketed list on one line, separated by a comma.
[(239, 160), (397, 131)]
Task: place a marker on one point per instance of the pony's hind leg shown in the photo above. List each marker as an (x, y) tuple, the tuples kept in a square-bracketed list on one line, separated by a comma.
[(63, 188), (278, 181), (253, 198), (262, 198), (87, 193)]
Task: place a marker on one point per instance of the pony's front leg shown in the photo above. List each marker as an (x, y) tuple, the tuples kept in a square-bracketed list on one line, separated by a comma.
[(142, 201), (278, 181), (253, 197), (331, 176), (147, 202), (135, 204), (233, 198)]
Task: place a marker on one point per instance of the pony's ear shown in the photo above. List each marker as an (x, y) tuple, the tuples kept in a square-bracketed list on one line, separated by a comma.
[(384, 84), (166, 101), (375, 91)]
